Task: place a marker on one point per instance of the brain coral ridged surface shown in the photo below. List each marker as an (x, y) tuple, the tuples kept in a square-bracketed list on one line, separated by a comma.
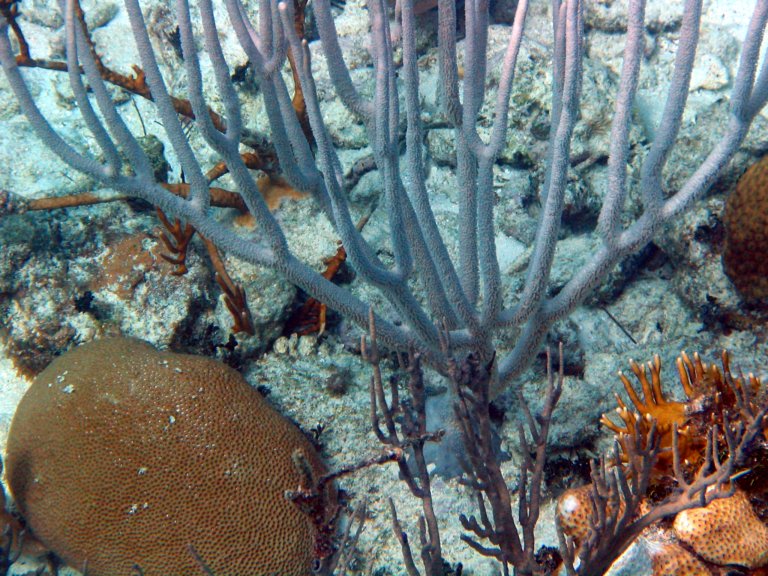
[(120, 455), (746, 233)]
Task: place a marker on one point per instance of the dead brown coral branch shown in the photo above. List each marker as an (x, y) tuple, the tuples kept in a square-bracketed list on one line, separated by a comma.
[(220, 198), (318, 501), (177, 243), (134, 83), (10, 10), (19, 205), (405, 429), (311, 316), (298, 103), (512, 537), (234, 295), (252, 160)]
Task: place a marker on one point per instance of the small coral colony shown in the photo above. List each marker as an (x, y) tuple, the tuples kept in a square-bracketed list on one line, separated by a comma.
[(693, 436)]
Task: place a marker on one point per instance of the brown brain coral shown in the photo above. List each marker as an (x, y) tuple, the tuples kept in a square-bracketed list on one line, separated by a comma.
[(746, 233), (120, 455)]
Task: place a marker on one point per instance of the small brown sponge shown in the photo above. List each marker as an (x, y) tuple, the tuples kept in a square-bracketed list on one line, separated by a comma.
[(746, 233), (726, 531), (121, 456)]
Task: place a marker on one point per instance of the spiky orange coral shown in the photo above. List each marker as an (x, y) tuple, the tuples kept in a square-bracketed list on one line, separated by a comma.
[(711, 394), (653, 405)]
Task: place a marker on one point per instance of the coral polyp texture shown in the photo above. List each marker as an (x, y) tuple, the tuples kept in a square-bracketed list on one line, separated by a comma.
[(746, 233), (725, 532), (120, 455), (669, 558)]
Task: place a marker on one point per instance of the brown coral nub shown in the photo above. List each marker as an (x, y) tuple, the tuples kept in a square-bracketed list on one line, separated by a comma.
[(745, 257), (726, 531), (121, 456), (575, 512)]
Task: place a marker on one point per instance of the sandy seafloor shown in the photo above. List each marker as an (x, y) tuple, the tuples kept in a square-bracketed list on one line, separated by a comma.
[(71, 276)]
